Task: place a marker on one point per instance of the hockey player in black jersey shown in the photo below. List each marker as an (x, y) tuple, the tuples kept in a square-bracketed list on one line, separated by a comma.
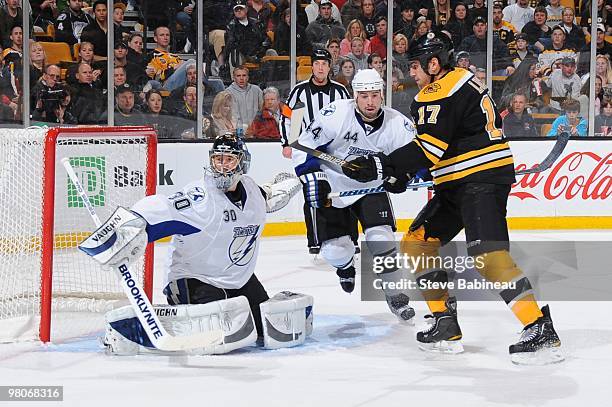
[(461, 142)]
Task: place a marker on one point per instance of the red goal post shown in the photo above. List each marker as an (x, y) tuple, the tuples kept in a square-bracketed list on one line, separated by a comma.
[(45, 281)]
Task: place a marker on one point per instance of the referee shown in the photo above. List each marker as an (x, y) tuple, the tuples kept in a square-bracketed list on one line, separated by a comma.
[(316, 92)]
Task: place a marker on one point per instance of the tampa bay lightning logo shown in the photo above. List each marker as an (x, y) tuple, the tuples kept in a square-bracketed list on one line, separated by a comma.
[(242, 248), (328, 110), (196, 194)]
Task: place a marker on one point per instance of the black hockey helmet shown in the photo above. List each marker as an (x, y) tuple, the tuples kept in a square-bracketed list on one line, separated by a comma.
[(432, 44), (229, 144), (321, 53)]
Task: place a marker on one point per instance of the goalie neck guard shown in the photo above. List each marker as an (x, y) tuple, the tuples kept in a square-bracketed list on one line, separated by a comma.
[(229, 160)]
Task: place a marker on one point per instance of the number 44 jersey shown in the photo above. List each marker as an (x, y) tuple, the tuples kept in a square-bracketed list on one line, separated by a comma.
[(459, 132), (215, 240)]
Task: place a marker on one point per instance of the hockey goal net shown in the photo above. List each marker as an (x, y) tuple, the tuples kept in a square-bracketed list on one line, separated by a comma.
[(47, 286)]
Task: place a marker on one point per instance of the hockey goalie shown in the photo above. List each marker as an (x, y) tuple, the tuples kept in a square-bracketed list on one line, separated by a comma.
[(215, 224)]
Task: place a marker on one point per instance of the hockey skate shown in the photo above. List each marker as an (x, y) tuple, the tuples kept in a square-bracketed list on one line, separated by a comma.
[(444, 334), (539, 343), (347, 278), (398, 304)]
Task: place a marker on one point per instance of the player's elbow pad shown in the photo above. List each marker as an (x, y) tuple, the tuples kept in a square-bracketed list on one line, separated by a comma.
[(121, 240)]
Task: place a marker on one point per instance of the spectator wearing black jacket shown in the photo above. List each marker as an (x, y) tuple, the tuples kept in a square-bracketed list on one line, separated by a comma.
[(245, 39), (44, 12), (71, 22), (324, 27), (518, 122), (136, 75), (282, 36), (574, 37), (96, 32), (458, 26), (476, 45), (88, 103)]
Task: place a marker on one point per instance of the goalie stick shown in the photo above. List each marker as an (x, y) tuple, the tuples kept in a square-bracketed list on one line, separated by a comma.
[(547, 162), (158, 336)]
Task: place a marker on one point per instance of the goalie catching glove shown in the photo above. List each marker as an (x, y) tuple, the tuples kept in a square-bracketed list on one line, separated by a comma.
[(122, 239), (280, 191)]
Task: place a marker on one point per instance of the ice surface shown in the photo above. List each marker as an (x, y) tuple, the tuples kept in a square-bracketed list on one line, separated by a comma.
[(358, 355)]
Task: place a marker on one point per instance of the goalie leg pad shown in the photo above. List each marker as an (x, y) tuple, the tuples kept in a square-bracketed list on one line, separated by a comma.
[(125, 335), (122, 239), (287, 319)]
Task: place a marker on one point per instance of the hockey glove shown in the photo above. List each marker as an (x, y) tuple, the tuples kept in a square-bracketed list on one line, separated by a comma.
[(396, 184), (316, 188), (370, 168)]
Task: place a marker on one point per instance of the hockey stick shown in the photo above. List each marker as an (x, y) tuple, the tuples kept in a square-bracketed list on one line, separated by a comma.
[(158, 336), (375, 190), (547, 162)]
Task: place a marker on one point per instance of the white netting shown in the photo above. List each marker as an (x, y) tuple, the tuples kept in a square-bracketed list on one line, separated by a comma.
[(112, 169)]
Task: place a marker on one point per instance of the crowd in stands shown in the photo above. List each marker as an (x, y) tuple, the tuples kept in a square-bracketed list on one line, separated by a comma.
[(540, 58)]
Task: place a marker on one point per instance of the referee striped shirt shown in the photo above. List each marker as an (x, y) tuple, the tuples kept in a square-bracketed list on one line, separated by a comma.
[(314, 98)]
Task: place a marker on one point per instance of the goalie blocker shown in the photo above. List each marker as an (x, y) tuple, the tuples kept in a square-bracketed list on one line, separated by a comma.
[(287, 320)]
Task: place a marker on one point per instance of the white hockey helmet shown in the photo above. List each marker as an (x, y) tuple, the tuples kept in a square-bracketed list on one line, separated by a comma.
[(367, 80)]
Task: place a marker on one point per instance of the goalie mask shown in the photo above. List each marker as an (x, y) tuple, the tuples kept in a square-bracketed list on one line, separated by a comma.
[(229, 160)]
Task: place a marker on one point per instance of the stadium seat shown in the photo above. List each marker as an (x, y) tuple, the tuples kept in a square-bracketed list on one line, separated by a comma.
[(545, 128), (303, 72), (56, 52)]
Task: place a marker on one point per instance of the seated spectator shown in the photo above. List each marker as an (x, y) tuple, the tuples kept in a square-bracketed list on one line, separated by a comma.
[(368, 17), (47, 95), (557, 49), (537, 28), (333, 47), (476, 45), (265, 123), (602, 47), (407, 23), (88, 101), (222, 114), (126, 110), (521, 50), (160, 63), (121, 33), (359, 58), (554, 9), (135, 51), (324, 27), (245, 39), (186, 17), (38, 60), (458, 25), (421, 28), (518, 14), (375, 62), (282, 36), (346, 74), (96, 31), (155, 115), (400, 46), (217, 14), (175, 101), (354, 29), (378, 43), (71, 22), (574, 36), (313, 11), (603, 17), (281, 6), (518, 122), (603, 121), (525, 80), (584, 97), (136, 75), (247, 98), (570, 121), (119, 77), (477, 9), (439, 14), (463, 61), (10, 16), (603, 69), (481, 75), (565, 84), (188, 108), (44, 13), (262, 12), (86, 55), (350, 11), (12, 55)]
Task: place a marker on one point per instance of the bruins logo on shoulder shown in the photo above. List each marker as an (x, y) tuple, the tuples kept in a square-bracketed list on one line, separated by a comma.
[(433, 88)]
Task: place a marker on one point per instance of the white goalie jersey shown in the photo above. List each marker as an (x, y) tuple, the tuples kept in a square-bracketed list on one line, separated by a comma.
[(340, 131), (214, 240)]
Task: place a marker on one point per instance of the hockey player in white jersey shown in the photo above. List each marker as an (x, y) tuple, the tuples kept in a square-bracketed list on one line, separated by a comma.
[(215, 224), (348, 129)]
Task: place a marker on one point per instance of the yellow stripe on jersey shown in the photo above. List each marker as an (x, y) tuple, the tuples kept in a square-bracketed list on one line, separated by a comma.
[(429, 155), (444, 87), (472, 154), (462, 174), (431, 139)]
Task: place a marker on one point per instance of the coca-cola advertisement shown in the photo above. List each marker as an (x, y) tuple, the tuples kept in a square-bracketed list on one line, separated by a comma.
[(579, 183)]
